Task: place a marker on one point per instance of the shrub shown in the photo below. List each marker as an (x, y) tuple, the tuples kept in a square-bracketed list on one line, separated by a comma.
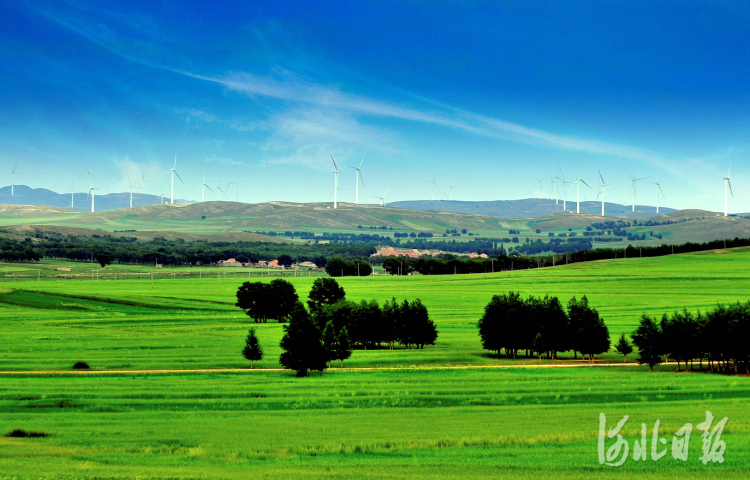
[(21, 433), (81, 366)]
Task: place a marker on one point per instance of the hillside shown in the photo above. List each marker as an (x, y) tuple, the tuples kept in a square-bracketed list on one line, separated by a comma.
[(213, 217), (24, 195), (529, 208), (231, 221)]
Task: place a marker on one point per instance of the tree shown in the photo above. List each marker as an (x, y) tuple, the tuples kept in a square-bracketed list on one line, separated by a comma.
[(624, 347), (336, 266), (343, 346), (262, 301), (283, 299), (647, 337), (303, 349), (541, 344), (324, 291), (103, 259), (285, 260), (252, 351), (591, 334), (397, 265), (501, 325), (330, 342), (253, 298)]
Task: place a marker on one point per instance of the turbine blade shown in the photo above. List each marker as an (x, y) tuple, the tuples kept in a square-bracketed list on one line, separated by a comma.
[(662, 191), (584, 183), (175, 160), (334, 164), (360, 178), (209, 188), (600, 176), (178, 176), (386, 191), (730, 187), (363, 161), (728, 171)]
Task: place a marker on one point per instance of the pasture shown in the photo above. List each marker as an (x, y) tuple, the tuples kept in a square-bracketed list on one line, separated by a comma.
[(441, 412)]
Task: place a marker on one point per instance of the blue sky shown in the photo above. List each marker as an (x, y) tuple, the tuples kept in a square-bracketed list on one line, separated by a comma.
[(482, 96)]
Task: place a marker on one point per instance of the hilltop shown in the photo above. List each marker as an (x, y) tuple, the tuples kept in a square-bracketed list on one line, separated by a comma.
[(529, 208)]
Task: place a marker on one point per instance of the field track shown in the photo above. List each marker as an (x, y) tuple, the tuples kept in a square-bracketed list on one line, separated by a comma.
[(353, 369)]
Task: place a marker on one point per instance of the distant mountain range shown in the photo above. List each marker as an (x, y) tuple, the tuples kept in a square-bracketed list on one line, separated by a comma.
[(23, 195), (526, 208), (530, 208)]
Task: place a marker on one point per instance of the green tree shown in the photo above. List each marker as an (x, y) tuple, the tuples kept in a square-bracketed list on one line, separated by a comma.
[(336, 267), (343, 346), (324, 291), (330, 342), (541, 344), (253, 298), (252, 351), (103, 259), (283, 298), (501, 325), (301, 344), (647, 337), (285, 260), (624, 347)]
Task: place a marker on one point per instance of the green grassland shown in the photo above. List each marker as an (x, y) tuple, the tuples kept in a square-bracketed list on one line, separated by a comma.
[(413, 423), (181, 321), (441, 412)]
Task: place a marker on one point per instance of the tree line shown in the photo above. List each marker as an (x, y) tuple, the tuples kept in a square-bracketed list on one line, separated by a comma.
[(331, 326), (718, 336), (542, 326)]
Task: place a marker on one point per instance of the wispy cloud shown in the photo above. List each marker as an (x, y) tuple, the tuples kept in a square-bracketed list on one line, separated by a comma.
[(141, 175)]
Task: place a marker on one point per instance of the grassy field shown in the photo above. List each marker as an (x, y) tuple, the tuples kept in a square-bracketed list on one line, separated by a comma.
[(441, 412), (181, 321), (414, 423)]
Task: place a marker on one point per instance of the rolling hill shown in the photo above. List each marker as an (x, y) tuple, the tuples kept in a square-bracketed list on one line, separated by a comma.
[(529, 208), (232, 221)]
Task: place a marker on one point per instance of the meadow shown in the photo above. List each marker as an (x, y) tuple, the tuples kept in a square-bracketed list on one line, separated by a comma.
[(441, 412)]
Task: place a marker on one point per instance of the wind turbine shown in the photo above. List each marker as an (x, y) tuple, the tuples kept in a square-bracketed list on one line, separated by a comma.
[(578, 182), (72, 192), (92, 190), (540, 185), (447, 193), (634, 182), (603, 187), (382, 199), (173, 171), (434, 187), (727, 183), (229, 196), (203, 188), (551, 187), (12, 180), (132, 185), (143, 183), (565, 189), (357, 179), (335, 182), (658, 190)]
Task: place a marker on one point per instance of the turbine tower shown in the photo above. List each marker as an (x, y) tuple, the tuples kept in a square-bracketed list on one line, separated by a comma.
[(92, 191), (203, 188), (578, 182), (357, 179), (658, 190), (173, 171), (603, 188), (382, 199), (727, 184), (132, 185), (72, 192), (565, 189), (634, 184), (335, 183), (551, 186), (12, 180)]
